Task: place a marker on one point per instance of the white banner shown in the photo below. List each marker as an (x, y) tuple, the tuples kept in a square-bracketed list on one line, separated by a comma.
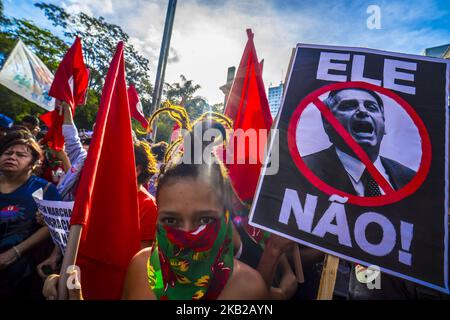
[(57, 217), (25, 74)]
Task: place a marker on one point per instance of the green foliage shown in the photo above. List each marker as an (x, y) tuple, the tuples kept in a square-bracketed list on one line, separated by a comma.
[(100, 39), (218, 107), (183, 94), (2, 17), (99, 43), (47, 47), (85, 115), (16, 107)]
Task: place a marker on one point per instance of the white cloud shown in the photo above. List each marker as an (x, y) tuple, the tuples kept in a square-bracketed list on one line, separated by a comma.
[(92, 8)]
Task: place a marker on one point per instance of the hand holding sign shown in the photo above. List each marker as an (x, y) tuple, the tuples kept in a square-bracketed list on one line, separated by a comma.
[(50, 289)]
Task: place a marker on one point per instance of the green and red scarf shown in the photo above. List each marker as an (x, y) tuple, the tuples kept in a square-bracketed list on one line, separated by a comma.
[(192, 265)]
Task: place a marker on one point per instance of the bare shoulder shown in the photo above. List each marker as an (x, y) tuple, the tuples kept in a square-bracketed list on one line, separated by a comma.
[(136, 284), (245, 284), (141, 257)]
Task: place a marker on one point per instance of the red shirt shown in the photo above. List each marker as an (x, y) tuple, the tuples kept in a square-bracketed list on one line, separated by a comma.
[(147, 215)]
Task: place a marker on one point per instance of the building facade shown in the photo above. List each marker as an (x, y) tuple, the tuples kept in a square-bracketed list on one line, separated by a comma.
[(438, 52), (275, 95)]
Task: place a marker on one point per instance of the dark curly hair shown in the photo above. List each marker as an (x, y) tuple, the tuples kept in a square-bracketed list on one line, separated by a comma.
[(212, 172), (159, 150), (145, 159), (182, 164), (24, 137)]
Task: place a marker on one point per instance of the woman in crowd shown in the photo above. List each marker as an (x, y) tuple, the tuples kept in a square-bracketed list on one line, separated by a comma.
[(19, 231), (145, 169), (194, 256), (77, 153)]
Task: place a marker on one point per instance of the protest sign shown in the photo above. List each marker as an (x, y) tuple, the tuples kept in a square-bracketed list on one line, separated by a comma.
[(25, 74), (57, 217), (363, 142)]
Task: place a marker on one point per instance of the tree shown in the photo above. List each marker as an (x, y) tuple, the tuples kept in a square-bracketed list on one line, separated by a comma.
[(46, 46), (165, 128), (100, 39), (183, 94), (2, 17), (85, 115), (218, 107), (99, 42)]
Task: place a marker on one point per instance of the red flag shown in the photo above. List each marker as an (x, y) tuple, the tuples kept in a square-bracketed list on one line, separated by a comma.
[(248, 107), (107, 201), (69, 85), (136, 107)]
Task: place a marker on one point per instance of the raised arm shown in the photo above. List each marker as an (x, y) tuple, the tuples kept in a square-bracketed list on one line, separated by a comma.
[(73, 146)]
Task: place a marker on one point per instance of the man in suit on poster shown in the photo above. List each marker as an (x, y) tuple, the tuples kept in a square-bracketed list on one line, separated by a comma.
[(361, 113)]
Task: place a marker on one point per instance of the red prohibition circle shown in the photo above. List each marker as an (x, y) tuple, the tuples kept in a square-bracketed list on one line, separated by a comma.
[(395, 196)]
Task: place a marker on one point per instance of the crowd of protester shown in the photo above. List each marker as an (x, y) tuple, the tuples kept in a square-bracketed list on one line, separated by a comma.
[(176, 200)]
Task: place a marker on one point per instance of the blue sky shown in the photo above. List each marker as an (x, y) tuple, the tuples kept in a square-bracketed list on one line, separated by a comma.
[(209, 35)]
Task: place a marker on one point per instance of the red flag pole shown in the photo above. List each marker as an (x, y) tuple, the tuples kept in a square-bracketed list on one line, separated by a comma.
[(69, 259), (104, 232), (298, 265)]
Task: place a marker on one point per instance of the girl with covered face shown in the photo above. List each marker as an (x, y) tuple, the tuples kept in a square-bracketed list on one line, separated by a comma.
[(193, 257)]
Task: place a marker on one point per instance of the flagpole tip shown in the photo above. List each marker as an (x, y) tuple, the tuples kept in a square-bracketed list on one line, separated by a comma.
[(250, 34)]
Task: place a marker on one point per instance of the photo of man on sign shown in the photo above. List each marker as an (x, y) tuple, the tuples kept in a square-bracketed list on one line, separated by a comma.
[(361, 112), (363, 167)]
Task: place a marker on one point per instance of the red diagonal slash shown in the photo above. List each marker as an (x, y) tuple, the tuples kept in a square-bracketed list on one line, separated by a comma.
[(380, 180)]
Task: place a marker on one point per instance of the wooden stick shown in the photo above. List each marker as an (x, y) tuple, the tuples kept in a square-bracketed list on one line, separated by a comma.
[(298, 265), (328, 279), (70, 256)]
